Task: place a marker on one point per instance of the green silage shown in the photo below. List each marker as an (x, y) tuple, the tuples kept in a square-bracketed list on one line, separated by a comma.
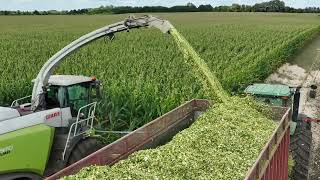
[(222, 144)]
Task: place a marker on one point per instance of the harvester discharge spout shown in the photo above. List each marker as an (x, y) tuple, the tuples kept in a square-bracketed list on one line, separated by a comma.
[(163, 25)]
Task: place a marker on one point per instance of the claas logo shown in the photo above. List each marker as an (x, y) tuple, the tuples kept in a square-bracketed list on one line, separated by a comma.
[(6, 150), (52, 115)]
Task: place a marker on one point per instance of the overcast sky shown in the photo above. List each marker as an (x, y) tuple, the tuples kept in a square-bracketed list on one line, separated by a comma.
[(78, 4)]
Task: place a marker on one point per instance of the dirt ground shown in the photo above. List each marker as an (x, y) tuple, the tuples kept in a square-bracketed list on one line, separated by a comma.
[(294, 75)]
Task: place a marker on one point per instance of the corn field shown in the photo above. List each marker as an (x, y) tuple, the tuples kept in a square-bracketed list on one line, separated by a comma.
[(143, 71)]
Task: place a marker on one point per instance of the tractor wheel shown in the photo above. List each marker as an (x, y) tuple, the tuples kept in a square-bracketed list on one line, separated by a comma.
[(300, 145), (84, 148)]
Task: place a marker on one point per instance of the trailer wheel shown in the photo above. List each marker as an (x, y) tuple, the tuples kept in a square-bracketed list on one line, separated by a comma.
[(300, 145), (84, 148)]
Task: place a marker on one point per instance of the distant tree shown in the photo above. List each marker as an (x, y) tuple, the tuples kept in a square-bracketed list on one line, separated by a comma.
[(188, 8), (236, 8), (54, 12), (270, 6), (222, 9), (189, 4), (36, 12), (205, 8), (246, 8)]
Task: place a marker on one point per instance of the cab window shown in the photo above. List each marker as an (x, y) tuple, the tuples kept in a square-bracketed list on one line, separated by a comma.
[(52, 97), (78, 96), (272, 101), (56, 97)]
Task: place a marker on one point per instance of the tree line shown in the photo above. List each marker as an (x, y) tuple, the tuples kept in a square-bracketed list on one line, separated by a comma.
[(271, 6)]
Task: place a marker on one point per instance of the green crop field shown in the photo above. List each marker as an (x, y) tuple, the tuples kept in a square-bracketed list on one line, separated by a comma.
[(143, 72)]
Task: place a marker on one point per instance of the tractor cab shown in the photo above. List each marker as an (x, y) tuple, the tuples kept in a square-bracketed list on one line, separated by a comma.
[(277, 95), (71, 91), (271, 94)]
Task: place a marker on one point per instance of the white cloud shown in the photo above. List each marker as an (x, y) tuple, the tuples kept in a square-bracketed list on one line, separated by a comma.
[(24, 1)]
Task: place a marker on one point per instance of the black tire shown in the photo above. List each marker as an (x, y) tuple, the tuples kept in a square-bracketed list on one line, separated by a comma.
[(312, 94), (84, 148), (300, 145), (20, 176)]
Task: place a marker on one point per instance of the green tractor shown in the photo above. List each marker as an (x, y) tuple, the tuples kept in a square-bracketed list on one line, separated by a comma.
[(300, 130)]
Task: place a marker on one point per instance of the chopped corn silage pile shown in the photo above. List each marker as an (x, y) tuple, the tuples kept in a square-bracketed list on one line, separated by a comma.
[(222, 144)]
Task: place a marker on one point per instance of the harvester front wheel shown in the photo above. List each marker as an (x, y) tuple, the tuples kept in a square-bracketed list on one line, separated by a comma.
[(84, 148)]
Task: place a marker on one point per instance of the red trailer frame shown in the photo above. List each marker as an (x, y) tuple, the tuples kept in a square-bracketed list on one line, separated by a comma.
[(272, 163)]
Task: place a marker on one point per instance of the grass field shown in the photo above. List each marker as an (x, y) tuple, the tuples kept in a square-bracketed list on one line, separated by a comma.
[(143, 72)]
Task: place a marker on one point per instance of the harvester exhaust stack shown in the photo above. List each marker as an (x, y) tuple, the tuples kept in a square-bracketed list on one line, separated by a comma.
[(296, 104)]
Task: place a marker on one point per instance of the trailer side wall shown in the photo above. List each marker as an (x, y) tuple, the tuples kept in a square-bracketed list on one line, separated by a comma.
[(272, 163)]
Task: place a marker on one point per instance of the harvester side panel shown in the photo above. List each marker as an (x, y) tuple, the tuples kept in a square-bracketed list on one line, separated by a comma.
[(25, 150)]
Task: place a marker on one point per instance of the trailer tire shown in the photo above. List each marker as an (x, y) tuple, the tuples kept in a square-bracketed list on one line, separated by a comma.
[(84, 148), (300, 145)]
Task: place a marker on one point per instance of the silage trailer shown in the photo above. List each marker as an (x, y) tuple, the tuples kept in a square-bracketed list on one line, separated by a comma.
[(271, 164)]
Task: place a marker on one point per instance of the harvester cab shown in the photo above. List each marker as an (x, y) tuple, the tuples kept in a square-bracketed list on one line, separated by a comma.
[(70, 91), (277, 95), (64, 91)]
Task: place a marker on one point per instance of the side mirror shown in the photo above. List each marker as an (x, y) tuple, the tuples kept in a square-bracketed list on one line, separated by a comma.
[(96, 91), (99, 91)]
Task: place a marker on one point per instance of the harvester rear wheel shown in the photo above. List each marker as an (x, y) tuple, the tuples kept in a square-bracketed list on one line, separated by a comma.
[(84, 148), (300, 145)]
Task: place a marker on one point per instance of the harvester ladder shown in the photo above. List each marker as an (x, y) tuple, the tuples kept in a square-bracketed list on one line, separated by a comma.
[(76, 127)]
